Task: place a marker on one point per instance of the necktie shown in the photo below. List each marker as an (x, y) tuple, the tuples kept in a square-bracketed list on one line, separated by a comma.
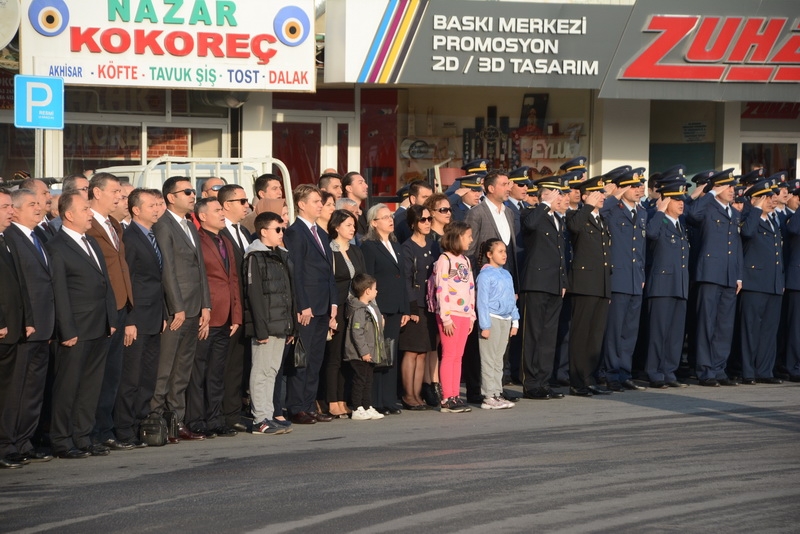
[(633, 216), (185, 225), (238, 236), (678, 227), (38, 245), (223, 251), (728, 211), (153, 242), (113, 232), (598, 221), (519, 206), (316, 238), (89, 250), (3, 245), (47, 228)]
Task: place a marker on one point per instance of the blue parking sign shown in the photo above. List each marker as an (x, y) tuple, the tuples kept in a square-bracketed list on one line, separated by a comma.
[(39, 102)]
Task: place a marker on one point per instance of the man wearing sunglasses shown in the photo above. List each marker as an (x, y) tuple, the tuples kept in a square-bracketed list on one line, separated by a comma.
[(187, 298)]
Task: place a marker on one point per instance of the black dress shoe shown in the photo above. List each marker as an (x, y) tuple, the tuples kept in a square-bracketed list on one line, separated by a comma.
[(73, 454), (749, 381), (19, 458), (391, 410), (728, 382), (303, 418), (38, 456), (709, 382), (136, 443), (506, 396), (5, 463), (616, 386), (783, 375), (631, 385), (580, 392), (676, 384), (207, 432), (537, 394), (598, 391), (115, 445), (554, 394), (769, 380), (96, 449), (225, 432), (321, 417), (658, 384), (602, 382), (186, 434)]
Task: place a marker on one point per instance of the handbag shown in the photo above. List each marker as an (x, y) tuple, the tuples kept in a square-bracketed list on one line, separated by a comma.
[(388, 356), (300, 356)]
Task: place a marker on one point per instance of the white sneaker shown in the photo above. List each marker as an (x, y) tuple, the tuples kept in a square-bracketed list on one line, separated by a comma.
[(360, 414), (492, 403), (374, 414), (506, 403)]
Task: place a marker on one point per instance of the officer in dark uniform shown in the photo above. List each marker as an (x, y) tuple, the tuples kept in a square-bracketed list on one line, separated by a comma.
[(667, 285), (627, 225), (718, 275), (533, 194), (762, 286), (542, 287), (401, 230), (478, 166), (589, 284), (577, 169), (792, 295)]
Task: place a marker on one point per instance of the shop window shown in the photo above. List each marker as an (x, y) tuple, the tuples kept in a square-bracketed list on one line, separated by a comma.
[(115, 100), (16, 151), (95, 146), (773, 157)]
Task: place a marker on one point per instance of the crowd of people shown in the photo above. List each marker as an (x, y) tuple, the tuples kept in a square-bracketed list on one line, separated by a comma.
[(222, 316)]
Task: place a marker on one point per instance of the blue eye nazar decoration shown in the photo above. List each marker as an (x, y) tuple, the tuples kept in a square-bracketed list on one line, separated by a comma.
[(49, 17), (292, 26)]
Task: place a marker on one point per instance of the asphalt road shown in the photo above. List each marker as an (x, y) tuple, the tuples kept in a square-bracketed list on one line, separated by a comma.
[(689, 460)]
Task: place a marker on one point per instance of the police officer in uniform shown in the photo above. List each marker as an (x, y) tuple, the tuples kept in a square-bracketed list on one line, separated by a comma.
[(472, 184), (793, 283)]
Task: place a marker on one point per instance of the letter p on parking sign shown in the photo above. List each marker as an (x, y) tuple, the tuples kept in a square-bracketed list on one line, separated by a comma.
[(39, 102)]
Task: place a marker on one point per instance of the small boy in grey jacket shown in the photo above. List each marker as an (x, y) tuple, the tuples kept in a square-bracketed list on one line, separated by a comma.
[(363, 345)]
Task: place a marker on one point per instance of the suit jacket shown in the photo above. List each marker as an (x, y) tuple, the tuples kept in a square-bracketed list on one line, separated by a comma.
[(628, 246), (793, 252), (15, 306), (481, 221), (545, 267), (39, 283), (149, 313), (591, 243), (669, 255), (184, 274), (115, 261), (314, 286), (719, 247), (226, 306), (401, 230), (390, 274), (85, 303), (763, 255)]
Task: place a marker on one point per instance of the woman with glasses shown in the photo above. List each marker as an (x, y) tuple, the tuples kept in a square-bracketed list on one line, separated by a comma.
[(383, 259), (439, 207), (418, 338), (348, 261)]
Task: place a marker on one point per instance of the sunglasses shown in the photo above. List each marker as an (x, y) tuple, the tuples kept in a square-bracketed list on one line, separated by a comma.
[(216, 187), (444, 210), (278, 229), (241, 201), (187, 192), (425, 219)]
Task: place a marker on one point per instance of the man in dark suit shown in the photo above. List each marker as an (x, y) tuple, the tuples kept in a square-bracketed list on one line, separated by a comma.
[(627, 224), (140, 355), (85, 316), (105, 194), (718, 276), (763, 284), (667, 285), (206, 387), (589, 287), (315, 295), (187, 298), (44, 230), (30, 371), (16, 323), (356, 188), (543, 283), (233, 200)]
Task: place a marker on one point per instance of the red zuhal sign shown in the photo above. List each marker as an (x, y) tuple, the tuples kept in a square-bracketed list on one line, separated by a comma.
[(719, 49)]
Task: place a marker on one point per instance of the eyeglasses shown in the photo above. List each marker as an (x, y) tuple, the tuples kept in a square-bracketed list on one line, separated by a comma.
[(187, 192), (278, 229), (425, 219), (84, 189), (385, 217), (241, 201), (444, 210)]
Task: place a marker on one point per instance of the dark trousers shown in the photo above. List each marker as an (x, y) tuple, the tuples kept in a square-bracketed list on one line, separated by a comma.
[(104, 418), (362, 383), (586, 342), (561, 358), (78, 380), (384, 380), (622, 329), (8, 414), (716, 307), (279, 393), (793, 333), (471, 366), (207, 384), (27, 388), (541, 332), (761, 313), (234, 374), (175, 360), (302, 383), (334, 372), (139, 372), (667, 318)]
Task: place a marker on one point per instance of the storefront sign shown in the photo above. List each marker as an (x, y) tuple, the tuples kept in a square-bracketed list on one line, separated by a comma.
[(191, 44), (458, 42), (732, 50), (771, 110)]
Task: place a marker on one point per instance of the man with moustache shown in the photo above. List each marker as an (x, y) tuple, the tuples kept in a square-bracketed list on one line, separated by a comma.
[(86, 313)]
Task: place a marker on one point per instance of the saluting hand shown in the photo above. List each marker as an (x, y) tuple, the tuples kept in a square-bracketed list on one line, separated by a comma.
[(662, 203)]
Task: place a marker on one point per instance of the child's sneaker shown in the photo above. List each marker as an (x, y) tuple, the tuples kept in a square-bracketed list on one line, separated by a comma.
[(360, 414), (267, 427), (374, 414), (492, 403), (451, 405), (463, 404), (506, 403)]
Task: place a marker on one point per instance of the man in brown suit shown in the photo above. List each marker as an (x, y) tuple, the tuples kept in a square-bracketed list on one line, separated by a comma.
[(105, 193)]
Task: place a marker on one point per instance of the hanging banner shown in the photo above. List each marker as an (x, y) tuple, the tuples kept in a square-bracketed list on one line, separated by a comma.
[(245, 45)]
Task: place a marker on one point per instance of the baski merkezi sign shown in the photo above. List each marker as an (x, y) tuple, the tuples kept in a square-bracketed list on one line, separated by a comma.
[(245, 45)]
